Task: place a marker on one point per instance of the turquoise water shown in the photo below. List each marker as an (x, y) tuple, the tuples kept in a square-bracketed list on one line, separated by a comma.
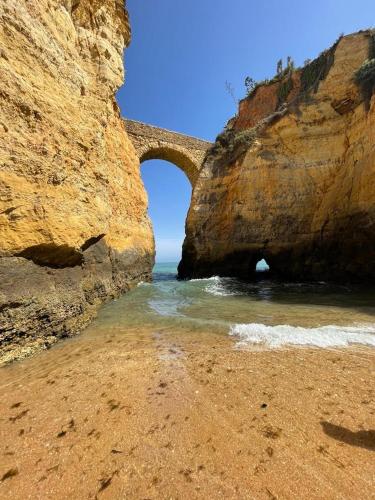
[(266, 312)]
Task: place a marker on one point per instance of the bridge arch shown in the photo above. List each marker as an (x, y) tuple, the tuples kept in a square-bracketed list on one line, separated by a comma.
[(181, 159), (153, 143)]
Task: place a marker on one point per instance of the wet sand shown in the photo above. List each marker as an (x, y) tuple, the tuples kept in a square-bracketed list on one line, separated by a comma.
[(154, 415)]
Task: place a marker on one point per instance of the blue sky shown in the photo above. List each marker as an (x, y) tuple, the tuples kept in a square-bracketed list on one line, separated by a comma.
[(183, 52)]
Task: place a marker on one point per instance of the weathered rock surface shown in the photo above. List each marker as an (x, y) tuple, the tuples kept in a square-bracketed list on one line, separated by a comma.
[(73, 210), (296, 187)]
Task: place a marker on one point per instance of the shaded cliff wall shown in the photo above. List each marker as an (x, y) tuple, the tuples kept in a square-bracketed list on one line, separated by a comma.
[(295, 186), (73, 210)]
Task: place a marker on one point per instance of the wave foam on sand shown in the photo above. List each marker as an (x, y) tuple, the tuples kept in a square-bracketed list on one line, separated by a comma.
[(324, 336)]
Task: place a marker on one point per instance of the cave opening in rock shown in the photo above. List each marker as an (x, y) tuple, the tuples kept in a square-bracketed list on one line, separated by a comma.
[(169, 193), (262, 266)]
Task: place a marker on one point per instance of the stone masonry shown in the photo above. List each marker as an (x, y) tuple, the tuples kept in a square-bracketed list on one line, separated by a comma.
[(153, 143)]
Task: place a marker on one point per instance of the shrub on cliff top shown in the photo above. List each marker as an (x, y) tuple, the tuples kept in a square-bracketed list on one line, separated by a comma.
[(281, 74)]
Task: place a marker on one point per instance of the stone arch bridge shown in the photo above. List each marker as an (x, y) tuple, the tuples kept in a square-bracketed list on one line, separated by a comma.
[(153, 143)]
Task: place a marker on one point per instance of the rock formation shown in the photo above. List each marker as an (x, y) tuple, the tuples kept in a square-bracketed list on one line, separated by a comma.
[(73, 210), (292, 178)]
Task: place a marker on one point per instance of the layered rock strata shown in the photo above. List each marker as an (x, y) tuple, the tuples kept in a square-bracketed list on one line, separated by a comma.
[(73, 210), (292, 178)]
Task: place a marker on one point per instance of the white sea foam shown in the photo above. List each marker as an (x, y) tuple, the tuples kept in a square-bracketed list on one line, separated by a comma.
[(219, 287), (219, 290), (324, 336), (212, 278), (215, 286)]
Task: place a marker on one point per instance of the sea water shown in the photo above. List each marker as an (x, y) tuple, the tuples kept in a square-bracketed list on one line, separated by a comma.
[(266, 312)]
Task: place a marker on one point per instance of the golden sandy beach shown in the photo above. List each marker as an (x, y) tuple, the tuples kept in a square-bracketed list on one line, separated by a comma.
[(154, 415)]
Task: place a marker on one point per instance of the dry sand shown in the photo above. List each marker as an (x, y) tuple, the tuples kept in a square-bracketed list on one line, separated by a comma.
[(161, 415)]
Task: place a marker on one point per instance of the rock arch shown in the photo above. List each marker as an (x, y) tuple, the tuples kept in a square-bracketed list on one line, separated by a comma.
[(153, 143)]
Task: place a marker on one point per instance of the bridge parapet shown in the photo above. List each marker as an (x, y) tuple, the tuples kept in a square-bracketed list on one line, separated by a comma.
[(184, 151)]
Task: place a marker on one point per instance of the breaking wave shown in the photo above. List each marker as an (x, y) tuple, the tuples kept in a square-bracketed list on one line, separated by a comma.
[(198, 280), (220, 288), (283, 335)]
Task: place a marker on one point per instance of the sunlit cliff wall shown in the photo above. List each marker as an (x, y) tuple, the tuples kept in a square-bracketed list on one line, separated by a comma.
[(73, 210), (292, 178)]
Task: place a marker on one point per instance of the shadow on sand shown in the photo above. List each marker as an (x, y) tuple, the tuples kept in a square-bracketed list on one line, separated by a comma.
[(363, 439)]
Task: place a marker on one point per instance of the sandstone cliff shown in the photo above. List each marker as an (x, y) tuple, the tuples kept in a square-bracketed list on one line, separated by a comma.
[(292, 178), (73, 210)]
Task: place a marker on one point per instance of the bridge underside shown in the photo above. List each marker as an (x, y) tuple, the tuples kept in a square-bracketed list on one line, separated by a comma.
[(153, 143)]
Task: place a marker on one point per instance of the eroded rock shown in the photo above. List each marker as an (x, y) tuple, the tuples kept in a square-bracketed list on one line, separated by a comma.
[(301, 194), (73, 210)]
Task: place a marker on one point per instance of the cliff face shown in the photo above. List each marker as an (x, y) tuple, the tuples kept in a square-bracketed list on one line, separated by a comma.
[(73, 210), (292, 179)]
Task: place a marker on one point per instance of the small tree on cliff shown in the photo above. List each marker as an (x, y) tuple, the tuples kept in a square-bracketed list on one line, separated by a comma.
[(290, 64), (250, 85), (279, 68)]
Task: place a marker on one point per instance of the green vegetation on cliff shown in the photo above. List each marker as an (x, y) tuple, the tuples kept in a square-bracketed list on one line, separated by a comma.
[(230, 145), (317, 70), (365, 76), (286, 86)]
